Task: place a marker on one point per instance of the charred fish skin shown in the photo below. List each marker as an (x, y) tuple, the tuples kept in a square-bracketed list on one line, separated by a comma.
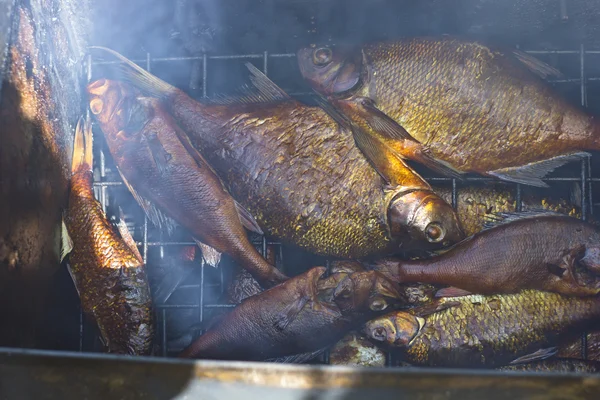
[(300, 175), (532, 252), (562, 365), (109, 275), (477, 108), (484, 331), (478, 205), (148, 148)]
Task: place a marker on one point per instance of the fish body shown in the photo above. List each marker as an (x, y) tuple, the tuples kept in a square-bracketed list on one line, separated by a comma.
[(302, 177), (488, 331), (106, 267), (476, 108), (561, 365), (534, 252), (478, 205), (356, 350), (169, 182), (290, 319)]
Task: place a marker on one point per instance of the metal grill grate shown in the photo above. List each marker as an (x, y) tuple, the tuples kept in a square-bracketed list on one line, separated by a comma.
[(103, 186)]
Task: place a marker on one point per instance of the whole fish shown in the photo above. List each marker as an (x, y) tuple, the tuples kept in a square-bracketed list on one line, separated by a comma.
[(456, 106), (556, 365), (356, 350), (106, 266), (170, 183), (525, 251), (290, 319), (478, 205), (301, 176), (485, 331)]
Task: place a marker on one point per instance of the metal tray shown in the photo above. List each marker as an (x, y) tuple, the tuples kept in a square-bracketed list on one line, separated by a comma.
[(33, 374)]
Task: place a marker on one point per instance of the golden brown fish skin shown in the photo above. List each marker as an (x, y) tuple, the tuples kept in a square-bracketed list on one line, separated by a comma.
[(304, 180), (300, 174), (287, 319), (110, 277), (356, 350), (188, 190), (509, 258), (477, 204), (477, 108), (484, 331), (561, 365)]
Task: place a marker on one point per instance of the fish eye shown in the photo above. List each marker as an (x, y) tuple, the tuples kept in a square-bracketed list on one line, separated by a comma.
[(322, 56), (345, 293), (378, 305), (379, 333), (434, 232)]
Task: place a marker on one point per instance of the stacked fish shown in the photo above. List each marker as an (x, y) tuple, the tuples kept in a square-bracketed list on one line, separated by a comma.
[(497, 289)]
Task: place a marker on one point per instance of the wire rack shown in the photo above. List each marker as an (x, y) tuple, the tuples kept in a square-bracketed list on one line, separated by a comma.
[(202, 304)]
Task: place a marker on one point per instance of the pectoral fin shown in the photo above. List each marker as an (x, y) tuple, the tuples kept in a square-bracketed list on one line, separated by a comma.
[(532, 174), (156, 216), (290, 312), (66, 243), (247, 219), (211, 256), (410, 148), (539, 355), (536, 66), (452, 292), (160, 156)]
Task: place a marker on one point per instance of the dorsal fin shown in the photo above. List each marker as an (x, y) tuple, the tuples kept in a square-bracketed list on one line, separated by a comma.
[(265, 86), (537, 66), (503, 218)]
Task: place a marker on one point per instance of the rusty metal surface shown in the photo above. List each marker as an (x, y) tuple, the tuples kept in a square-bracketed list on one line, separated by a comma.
[(28, 374)]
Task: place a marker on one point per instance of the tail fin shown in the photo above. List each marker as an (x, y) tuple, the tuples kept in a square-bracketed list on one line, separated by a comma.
[(82, 148), (140, 78)]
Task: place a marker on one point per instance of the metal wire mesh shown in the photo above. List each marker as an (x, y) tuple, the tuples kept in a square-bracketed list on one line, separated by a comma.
[(103, 186)]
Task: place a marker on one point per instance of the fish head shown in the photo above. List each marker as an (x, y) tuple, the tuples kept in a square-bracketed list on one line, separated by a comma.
[(119, 110), (365, 291), (397, 329), (420, 218), (331, 70), (381, 330), (591, 259)]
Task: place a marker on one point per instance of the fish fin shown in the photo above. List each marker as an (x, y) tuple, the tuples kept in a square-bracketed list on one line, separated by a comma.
[(156, 216), (66, 241), (210, 255), (537, 66), (502, 218), (290, 312), (539, 355), (178, 273), (160, 156), (139, 77), (267, 88), (298, 358), (532, 173), (386, 126), (247, 219), (127, 238), (82, 146), (370, 147), (434, 307), (452, 292)]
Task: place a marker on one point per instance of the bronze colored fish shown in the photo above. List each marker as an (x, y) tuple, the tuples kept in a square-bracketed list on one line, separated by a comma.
[(456, 106), (485, 331), (478, 205), (170, 183), (561, 365), (106, 266), (290, 319), (530, 251), (302, 178)]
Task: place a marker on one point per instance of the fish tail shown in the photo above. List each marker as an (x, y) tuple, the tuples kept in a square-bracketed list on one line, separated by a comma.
[(82, 148), (140, 78)]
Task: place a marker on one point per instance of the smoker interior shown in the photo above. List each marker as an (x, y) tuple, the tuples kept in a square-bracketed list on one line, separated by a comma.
[(267, 34)]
